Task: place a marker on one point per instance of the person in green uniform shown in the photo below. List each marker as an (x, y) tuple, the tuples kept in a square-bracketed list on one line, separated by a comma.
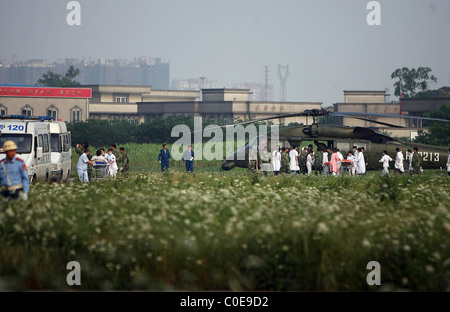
[(123, 162), (318, 162), (252, 161), (416, 161), (285, 161), (114, 151), (302, 160), (265, 160)]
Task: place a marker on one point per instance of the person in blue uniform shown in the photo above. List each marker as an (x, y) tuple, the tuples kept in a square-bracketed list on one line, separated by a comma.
[(13, 174), (164, 158), (82, 166), (188, 157)]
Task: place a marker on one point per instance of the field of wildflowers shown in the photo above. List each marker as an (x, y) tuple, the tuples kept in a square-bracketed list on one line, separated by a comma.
[(230, 231)]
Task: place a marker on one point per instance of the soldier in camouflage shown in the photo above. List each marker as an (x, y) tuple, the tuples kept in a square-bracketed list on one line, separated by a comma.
[(265, 159), (302, 160), (114, 151), (416, 161), (252, 161), (318, 162), (123, 162), (285, 161)]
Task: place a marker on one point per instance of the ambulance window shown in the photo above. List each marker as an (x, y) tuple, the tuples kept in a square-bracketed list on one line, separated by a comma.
[(46, 144), (23, 141), (66, 143), (41, 140), (55, 143), (2, 110)]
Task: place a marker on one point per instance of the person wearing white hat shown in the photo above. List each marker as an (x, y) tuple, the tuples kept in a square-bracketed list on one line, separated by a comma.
[(13, 174)]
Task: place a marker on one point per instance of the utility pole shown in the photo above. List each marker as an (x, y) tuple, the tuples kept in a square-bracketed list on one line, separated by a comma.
[(283, 74)]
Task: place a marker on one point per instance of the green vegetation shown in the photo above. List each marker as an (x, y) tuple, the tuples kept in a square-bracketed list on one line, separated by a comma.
[(438, 132), (230, 231), (413, 83), (99, 131), (50, 79)]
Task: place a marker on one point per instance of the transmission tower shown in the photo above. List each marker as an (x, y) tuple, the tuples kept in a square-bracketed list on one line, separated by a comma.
[(283, 74), (266, 83)]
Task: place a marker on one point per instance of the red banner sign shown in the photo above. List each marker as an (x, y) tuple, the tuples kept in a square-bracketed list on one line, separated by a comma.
[(45, 92)]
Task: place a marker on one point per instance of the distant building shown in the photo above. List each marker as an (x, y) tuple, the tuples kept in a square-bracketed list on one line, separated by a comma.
[(140, 71), (227, 104), (368, 102), (417, 107), (142, 103), (257, 91), (65, 104), (375, 102), (115, 102)]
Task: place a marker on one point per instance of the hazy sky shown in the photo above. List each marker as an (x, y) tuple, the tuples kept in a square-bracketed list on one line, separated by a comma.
[(327, 43)]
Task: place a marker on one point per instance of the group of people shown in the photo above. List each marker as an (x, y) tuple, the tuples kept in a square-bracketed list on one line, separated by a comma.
[(329, 161), (324, 160), (164, 158), (109, 164)]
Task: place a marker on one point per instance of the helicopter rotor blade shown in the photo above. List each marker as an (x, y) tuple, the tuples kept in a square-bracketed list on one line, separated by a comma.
[(349, 114), (308, 112), (373, 121)]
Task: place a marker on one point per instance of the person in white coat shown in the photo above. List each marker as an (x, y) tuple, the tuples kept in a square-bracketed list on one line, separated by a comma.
[(326, 168), (293, 160), (352, 169), (112, 164), (410, 155), (448, 162), (398, 167), (360, 163), (385, 160), (276, 161), (309, 161)]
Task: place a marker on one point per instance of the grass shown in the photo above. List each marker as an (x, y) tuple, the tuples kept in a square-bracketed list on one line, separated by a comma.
[(229, 231)]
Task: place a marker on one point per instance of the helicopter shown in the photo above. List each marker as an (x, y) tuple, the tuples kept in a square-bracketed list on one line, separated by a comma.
[(343, 138)]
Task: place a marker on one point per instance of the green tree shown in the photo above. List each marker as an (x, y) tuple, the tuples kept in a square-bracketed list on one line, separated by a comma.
[(50, 79), (438, 132), (412, 82)]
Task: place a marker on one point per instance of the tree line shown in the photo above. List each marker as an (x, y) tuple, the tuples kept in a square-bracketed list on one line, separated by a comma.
[(98, 132)]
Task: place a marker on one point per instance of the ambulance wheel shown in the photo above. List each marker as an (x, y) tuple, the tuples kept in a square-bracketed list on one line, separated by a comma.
[(33, 179), (47, 178)]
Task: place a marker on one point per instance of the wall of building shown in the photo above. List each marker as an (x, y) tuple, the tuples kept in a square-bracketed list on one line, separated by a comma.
[(39, 106), (365, 96)]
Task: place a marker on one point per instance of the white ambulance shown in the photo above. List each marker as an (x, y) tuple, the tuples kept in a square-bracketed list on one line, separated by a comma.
[(33, 144), (61, 151)]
